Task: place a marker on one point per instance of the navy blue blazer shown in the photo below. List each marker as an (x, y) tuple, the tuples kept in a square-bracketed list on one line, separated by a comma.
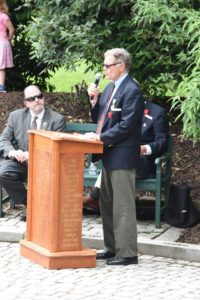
[(155, 134), (121, 131)]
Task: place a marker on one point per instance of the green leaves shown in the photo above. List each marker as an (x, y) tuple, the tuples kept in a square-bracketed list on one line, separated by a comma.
[(161, 35), (187, 100)]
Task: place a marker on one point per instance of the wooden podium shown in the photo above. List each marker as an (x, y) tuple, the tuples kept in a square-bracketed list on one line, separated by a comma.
[(55, 200)]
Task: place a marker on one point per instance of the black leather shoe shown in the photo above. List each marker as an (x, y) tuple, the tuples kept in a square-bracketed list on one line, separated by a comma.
[(90, 206), (89, 202), (122, 261), (23, 216), (91, 211), (104, 255)]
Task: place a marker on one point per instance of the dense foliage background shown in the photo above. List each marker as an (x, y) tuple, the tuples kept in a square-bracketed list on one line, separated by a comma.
[(161, 35), (27, 69)]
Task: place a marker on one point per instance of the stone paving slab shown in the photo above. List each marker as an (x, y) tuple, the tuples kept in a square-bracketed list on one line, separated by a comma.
[(169, 249), (151, 240), (91, 227)]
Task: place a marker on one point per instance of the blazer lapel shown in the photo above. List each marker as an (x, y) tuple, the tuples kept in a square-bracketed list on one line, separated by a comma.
[(45, 120), (116, 96), (147, 117), (26, 127), (105, 99)]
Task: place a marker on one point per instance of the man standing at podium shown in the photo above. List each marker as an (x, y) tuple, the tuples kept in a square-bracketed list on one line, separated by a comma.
[(14, 142), (154, 140), (118, 114)]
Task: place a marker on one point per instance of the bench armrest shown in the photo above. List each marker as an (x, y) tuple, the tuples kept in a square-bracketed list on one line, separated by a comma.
[(165, 157)]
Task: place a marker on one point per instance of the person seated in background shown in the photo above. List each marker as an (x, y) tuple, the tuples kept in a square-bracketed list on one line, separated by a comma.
[(154, 139), (14, 142)]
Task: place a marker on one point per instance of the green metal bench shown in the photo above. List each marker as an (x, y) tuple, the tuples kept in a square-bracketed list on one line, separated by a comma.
[(160, 184)]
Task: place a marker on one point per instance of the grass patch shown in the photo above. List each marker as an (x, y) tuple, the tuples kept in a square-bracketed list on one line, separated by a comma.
[(64, 80)]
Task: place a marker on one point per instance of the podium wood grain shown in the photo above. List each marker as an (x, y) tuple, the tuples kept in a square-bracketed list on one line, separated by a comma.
[(55, 200)]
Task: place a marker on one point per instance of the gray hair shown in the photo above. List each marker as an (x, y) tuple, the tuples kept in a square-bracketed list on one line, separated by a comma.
[(120, 54)]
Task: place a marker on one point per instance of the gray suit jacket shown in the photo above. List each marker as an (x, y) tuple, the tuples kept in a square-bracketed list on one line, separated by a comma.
[(15, 134)]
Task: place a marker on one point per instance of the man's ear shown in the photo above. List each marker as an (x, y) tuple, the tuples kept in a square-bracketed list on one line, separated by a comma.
[(122, 67), (25, 103)]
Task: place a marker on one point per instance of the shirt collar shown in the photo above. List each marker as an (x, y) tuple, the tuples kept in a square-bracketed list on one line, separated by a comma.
[(40, 116), (120, 79)]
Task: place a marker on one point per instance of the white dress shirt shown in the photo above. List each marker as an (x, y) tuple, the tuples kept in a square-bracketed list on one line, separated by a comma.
[(39, 118)]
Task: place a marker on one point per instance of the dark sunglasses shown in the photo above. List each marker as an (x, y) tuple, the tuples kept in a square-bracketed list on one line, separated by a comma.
[(31, 99)]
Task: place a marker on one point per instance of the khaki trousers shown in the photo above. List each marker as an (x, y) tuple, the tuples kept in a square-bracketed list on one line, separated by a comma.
[(117, 201)]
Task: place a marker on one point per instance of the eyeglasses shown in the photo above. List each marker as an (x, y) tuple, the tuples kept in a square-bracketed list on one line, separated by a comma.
[(33, 98), (108, 66)]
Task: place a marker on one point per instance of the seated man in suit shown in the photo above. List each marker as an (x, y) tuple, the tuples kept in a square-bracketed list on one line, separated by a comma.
[(14, 142), (153, 144)]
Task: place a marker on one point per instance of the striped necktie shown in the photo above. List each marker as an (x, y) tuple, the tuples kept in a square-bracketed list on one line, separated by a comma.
[(103, 115)]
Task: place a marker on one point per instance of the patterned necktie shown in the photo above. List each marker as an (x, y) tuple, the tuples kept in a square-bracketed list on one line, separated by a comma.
[(103, 115), (34, 123)]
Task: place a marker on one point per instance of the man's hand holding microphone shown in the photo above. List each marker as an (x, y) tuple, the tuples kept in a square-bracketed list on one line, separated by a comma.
[(93, 90)]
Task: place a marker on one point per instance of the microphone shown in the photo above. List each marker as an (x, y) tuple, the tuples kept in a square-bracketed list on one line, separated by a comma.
[(97, 79), (96, 82)]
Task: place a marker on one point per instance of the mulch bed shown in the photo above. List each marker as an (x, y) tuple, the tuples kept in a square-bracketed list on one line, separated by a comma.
[(186, 166)]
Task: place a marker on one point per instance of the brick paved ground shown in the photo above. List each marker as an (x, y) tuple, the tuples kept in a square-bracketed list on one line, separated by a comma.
[(154, 278)]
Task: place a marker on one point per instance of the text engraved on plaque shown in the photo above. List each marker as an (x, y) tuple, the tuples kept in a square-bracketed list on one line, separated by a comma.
[(71, 201)]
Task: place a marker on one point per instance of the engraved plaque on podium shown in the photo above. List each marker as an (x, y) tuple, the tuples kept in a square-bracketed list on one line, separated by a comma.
[(55, 200)]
